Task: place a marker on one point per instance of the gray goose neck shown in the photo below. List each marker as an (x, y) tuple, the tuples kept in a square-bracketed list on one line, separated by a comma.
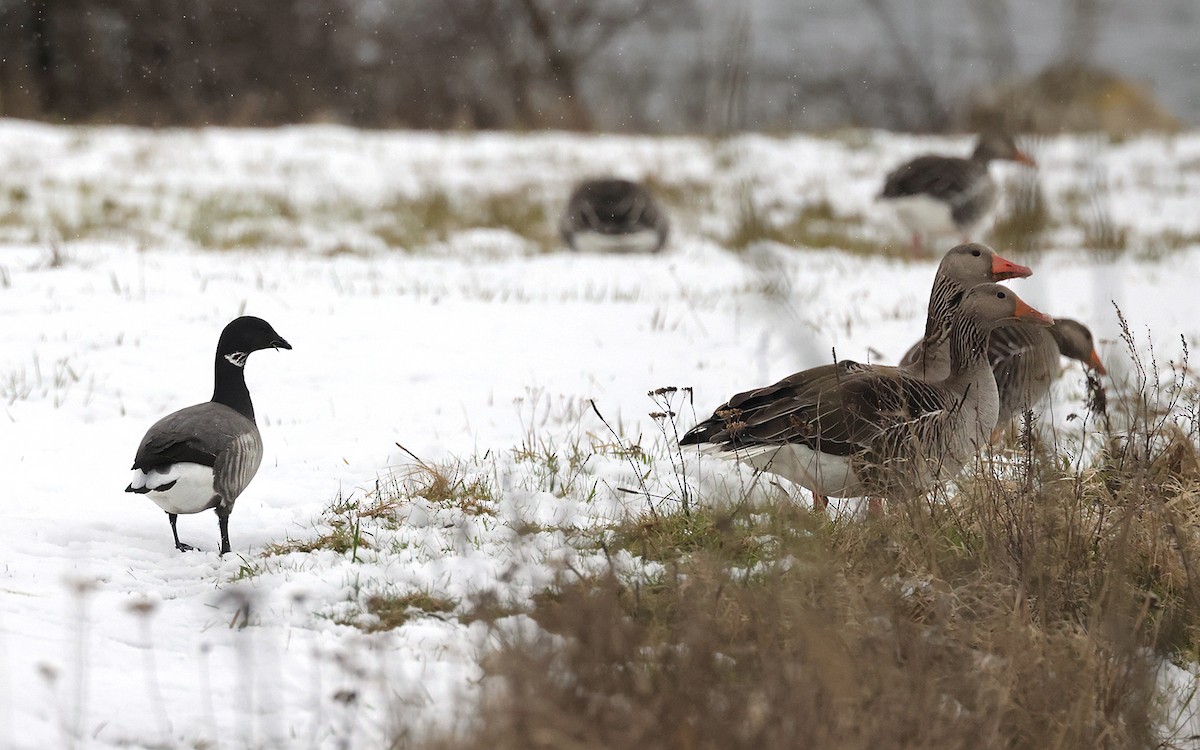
[(943, 300), (229, 384), (968, 346)]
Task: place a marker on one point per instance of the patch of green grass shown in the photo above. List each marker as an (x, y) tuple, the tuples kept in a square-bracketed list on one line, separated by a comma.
[(1160, 246), (816, 226), (682, 196), (519, 214), (433, 216), (225, 221), (343, 531), (407, 223), (1103, 234), (1027, 219), (736, 534), (390, 611)]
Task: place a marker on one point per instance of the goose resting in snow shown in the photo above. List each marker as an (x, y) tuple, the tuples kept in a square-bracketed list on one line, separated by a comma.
[(613, 216)]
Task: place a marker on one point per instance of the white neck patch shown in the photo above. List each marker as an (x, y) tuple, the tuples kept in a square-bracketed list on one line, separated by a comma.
[(237, 359)]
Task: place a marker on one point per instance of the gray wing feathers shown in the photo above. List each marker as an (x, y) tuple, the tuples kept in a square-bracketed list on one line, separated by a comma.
[(1024, 361), (196, 434), (236, 465)]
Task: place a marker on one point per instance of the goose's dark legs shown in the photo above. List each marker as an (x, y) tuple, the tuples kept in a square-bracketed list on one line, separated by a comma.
[(175, 533), (223, 522)]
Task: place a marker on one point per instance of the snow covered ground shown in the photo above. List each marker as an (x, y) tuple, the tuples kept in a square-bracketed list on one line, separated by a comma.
[(116, 278)]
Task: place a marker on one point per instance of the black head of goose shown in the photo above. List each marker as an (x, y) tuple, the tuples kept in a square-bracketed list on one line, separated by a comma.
[(612, 215), (204, 456), (1025, 361), (875, 431), (946, 194)]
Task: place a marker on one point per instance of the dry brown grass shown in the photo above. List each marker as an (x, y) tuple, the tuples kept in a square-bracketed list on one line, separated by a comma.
[(1023, 225), (1028, 610), (816, 226), (433, 216), (390, 611)]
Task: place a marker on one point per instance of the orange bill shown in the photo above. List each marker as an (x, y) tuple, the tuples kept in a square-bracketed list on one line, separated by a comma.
[(1023, 158), (1002, 269), (1093, 361), (1029, 315)]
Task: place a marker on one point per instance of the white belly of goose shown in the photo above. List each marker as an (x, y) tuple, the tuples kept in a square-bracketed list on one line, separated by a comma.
[(821, 473), (924, 214), (178, 488), (641, 241)]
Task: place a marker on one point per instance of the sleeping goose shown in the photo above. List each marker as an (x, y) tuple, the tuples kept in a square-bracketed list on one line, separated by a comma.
[(1025, 361), (873, 431), (203, 456), (947, 194), (613, 216)]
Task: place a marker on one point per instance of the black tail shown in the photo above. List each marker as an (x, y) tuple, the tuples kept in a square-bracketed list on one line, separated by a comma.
[(144, 490)]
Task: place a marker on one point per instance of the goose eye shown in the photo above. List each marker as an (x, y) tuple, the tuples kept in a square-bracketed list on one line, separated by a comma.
[(975, 253), (1000, 295)]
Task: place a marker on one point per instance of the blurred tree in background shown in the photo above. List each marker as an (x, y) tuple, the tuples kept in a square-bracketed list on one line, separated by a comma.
[(704, 66)]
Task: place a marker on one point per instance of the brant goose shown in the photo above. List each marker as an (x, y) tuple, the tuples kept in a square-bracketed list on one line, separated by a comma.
[(1025, 360), (946, 194), (203, 456), (874, 431), (613, 216)]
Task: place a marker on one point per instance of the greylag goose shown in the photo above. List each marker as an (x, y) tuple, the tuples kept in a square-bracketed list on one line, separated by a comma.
[(203, 456), (962, 267), (947, 194), (613, 216), (1025, 360), (874, 431)]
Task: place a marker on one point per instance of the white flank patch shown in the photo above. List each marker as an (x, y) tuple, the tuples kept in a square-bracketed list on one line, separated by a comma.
[(819, 472), (191, 493), (923, 214), (643, 241)]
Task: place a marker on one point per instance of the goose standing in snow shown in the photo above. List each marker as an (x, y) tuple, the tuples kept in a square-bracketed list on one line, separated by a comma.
[(873, 431), (613, 216), (203, 456), (1025, 361), (946, 194)]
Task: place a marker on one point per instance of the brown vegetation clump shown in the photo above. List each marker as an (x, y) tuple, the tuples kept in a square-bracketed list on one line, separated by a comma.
[(1031, 607), (1071, 97)]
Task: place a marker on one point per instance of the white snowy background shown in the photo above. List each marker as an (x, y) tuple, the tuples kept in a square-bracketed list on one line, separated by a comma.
[(462, 347)]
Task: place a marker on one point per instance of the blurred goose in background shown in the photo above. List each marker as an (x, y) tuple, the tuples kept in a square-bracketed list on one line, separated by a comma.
[(1025, 361), (874, 431), (204, 456), (938, 195), (613, 216)]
